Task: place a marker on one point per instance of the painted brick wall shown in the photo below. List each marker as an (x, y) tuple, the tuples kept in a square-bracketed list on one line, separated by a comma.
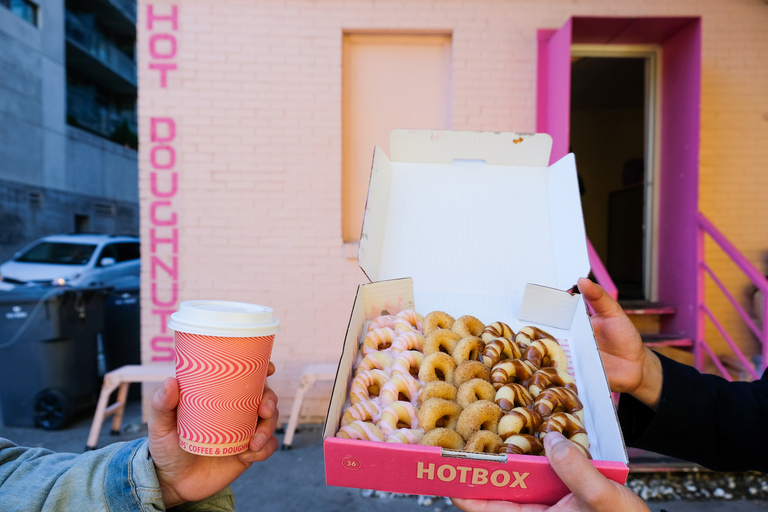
[(256, 102)]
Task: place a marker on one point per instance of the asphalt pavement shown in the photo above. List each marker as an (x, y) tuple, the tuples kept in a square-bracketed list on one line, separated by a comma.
[(294, 480)]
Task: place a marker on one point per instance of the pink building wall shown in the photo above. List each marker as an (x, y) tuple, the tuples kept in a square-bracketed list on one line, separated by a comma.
[(253, 90)]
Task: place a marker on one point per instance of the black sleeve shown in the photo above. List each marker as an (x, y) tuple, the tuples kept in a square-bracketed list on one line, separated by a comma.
[(702, 418)]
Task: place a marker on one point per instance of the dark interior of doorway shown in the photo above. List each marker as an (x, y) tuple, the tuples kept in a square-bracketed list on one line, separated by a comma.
[(607, 136)]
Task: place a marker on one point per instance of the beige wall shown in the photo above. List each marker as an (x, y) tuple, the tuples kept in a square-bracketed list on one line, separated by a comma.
[(256, 101)]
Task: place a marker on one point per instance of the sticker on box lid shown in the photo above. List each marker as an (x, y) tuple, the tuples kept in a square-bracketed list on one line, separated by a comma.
[(548, 306)]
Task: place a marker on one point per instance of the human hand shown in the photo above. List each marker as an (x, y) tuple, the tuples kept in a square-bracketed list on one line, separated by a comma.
[(629, 365), (590, 490), (184, 476)]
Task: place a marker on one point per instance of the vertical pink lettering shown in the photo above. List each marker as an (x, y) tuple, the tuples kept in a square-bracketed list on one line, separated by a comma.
[(163, 68), (172, 270), (156, 125), (167, 304), (152, 17), (153, 48), (170, 221), (154, 241), (163, 349), (156, 192), (164, 315), (170, 159)]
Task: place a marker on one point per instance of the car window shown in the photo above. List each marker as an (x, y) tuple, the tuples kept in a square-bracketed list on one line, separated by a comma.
[(108, 251), (128, 251), (58, 253)]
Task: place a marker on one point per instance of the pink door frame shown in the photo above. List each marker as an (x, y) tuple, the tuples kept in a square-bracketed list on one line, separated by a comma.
[(680, 42)]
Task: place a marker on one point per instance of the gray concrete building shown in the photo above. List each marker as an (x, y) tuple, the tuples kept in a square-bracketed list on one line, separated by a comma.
[(68, 124)]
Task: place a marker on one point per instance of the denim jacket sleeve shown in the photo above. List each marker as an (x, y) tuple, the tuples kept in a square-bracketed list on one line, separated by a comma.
[(119, 478)]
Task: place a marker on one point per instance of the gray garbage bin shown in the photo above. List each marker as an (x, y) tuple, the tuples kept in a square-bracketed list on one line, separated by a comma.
[(122, 321), (48, 354)]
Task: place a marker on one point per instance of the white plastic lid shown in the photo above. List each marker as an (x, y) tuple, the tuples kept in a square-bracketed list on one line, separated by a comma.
[(224, 318)]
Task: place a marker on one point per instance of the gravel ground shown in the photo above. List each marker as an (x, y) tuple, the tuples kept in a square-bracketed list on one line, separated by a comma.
[(699, 485)]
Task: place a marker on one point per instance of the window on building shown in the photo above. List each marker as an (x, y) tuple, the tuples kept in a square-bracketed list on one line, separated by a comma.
[(24, 9)]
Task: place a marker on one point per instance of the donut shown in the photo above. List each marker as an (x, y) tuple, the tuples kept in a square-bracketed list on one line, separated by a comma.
[(512, 395), (365, 410), (511, 370), (437, 366), (444, 438), (400, 387), (398, 415), (497, 330), (483, 441), (568, 425), (367, 385), (469, 370), (520, 420), (522, 444), (362, 430), (407, 362), (498, 349), (529, 334), (407, 320), (553, 400), (550, 377), (437, 389), (410, 340), (474, 390), (468, 325), (480, 415), (436, 320), (379, 360), (378, 339), (468, 349), (441, 340), (382, 321), (546, 352), (438, 412), (406, 436)]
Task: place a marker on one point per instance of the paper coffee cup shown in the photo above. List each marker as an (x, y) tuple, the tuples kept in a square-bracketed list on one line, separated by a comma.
[(222, 357)]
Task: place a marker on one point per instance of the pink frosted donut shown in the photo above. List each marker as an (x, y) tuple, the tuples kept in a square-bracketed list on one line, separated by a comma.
[(410, 340), (367, 385), (366, 410), (400, 387), (406, 436), (407, 320), (398, 415), (382, 321), (407, 363), (378, 339), (379, 360), (363, 430)]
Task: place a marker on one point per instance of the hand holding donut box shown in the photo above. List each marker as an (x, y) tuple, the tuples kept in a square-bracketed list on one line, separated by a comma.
[(478, 233)]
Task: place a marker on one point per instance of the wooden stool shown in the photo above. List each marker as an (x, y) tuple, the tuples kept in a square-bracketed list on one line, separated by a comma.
[(310, 375), (122, 378)]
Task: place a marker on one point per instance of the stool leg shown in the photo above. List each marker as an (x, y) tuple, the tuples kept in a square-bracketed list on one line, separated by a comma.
[(304, 385), (122, 395), (98, 416)]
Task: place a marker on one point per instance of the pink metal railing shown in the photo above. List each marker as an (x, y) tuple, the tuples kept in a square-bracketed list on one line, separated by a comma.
[(701, 347), (599, 271)]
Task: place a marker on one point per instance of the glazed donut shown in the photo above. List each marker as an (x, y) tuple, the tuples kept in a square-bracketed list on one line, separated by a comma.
[(400, 387), (363, 430), (568, 425), (554, 400), (410, 340), (512, 395), (529, 334), (367, 385), (365, 410), (437, 366), (474, 390), (441, 340), (398, 415), (546, 352), (480, 415), (520, 420), (444, 438), (382, 321), (407, 363), (406, 436), (498, 349), (378, 339), (436, 320), (548, 378), (469, 370), (468, 349), (497, 330), (438, 412), (468, 325), (511, 370), (483, 441), (379, 360), (407, 320), (522, 444), (437, 389)]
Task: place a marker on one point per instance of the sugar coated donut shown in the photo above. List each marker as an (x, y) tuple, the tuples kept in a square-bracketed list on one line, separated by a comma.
[(553, 400), (480, 415), (568, 425), (406, 436), (548, 378), (497, 330), (407, 320), (378, 339), (483, 441), (400, 387), (438, 412), (437, 366), (407, 362), (398, 415), (512, 395), (436, 320), (511, 370), (468, 325), (469, 370), (437, 389), (382, 321), (379, 360), (499, 349), (410, 340), (362, 430), (522, 444), (468, 349), (441, 340), (365, 410), (444, 438), (474, 390), (367, 385), (520, 420), (546, 352)]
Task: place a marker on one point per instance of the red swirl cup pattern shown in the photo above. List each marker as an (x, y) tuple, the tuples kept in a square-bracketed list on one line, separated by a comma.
[(221, 380)]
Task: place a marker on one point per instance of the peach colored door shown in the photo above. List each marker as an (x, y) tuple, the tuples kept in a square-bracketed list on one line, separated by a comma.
[(388, 81)]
